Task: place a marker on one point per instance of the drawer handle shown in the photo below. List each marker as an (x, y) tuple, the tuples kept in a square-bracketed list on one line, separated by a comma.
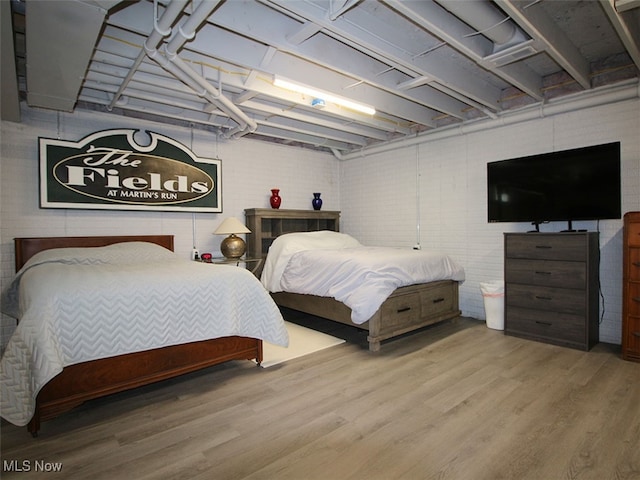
[(438, 300), (543, 298), (635, 334), (635, 299), (544, 246), (543, 273), (548, 324), (405, 309), (635, 264)]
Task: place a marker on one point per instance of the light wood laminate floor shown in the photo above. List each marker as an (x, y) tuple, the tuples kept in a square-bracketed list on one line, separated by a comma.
[(454, 401)]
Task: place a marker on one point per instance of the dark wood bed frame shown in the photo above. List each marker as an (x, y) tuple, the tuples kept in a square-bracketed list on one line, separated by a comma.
[(85, 381)]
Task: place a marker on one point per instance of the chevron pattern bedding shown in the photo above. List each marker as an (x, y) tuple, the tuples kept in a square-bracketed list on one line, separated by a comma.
[(81, 304)]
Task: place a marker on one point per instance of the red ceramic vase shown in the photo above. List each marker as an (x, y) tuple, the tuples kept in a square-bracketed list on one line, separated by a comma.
[(275, 199)]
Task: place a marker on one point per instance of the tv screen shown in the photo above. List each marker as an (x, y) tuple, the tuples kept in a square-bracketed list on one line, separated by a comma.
[(577, 184)]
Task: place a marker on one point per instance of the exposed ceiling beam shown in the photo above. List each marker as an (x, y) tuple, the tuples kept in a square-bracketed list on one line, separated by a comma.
[(239, 50), (370, 37), (306, 62), (425, 65), (626, 5), (626, 22), (148, 87), (533, 20), (460, 36)]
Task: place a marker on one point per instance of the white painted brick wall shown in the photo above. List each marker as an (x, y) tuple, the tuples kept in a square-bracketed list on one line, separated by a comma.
[(378, 195), (380, 201), (249, 170)]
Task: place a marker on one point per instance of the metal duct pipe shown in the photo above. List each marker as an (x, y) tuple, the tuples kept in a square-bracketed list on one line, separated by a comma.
[(188, 31), (170, 61), (169, 16), (163, 27), (215, 96), (486, 19)]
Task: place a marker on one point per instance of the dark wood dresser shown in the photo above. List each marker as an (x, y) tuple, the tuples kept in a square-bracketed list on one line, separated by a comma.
[(551, 287), (631, 287)]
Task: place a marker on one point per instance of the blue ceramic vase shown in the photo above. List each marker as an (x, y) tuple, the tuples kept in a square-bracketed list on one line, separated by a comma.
[(316, 202)]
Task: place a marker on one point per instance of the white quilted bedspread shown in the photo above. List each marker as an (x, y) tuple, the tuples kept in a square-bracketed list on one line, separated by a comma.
[(77, 305)]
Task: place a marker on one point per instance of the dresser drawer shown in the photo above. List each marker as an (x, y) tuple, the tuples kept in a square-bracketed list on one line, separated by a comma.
[(401, 310), (632, 336), (633, 299), (633, 234), (565, 247), (634, 264), (546, 273), (546, 325), (561, 300)]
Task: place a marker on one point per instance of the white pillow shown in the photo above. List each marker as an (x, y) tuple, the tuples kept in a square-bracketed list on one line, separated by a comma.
[(118, 253), (314, 240), (288, 244)]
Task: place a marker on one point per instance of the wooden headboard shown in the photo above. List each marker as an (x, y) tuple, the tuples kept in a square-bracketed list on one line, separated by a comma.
[(268, 224), (28, 247)]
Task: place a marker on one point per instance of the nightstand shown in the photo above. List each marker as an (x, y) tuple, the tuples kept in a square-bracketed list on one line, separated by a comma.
[(256, 262)]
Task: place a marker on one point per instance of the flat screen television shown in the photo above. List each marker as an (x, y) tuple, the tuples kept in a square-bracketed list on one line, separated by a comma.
[(577, 184)]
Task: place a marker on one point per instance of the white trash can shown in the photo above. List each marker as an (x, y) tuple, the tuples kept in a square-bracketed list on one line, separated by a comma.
[(493, 294)]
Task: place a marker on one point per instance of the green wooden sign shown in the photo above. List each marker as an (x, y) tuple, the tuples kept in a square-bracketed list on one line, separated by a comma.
[(110, 170)]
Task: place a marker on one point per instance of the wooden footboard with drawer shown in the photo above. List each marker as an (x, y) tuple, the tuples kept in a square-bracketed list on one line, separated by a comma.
[(407, 309)]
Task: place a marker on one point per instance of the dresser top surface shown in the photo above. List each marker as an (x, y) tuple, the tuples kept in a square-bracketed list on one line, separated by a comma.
[(272, 212), (543, 234)]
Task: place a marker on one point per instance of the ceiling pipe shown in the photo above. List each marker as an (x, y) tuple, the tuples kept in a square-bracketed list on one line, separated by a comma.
[(169, 60), (622, 92), (185, 33), (245, 124), (488, 21), (161, 28)]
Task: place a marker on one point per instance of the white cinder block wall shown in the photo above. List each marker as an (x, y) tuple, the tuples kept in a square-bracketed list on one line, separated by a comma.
[(249, 170), (433, 193), (440, 187)]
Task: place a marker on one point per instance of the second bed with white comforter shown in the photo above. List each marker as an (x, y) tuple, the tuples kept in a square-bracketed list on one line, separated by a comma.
[(332, 264)]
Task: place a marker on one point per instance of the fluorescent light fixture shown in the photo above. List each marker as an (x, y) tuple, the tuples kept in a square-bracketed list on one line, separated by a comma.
[(327, 97)]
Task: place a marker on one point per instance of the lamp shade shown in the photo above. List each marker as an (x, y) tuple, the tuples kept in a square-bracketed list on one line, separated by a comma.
[(231, 225)]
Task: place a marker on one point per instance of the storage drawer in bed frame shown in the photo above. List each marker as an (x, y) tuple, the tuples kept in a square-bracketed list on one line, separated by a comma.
[(407, 309)]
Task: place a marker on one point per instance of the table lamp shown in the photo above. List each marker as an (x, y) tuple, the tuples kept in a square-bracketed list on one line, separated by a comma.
[(232, 246)]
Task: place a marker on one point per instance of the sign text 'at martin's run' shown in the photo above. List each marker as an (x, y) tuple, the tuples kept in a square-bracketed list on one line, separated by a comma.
[(110, 170)]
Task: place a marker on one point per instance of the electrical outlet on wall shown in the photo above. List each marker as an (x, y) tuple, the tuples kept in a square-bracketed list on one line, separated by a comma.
[(195, 255)]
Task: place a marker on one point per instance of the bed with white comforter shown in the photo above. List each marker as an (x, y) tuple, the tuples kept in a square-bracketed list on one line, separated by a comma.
[(80, 304), (335, 265)]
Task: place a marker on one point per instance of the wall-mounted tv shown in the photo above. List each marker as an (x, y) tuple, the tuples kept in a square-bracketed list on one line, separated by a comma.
[(577, 184)]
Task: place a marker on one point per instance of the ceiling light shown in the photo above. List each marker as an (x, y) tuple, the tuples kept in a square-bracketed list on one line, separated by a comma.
[(327, 97)]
